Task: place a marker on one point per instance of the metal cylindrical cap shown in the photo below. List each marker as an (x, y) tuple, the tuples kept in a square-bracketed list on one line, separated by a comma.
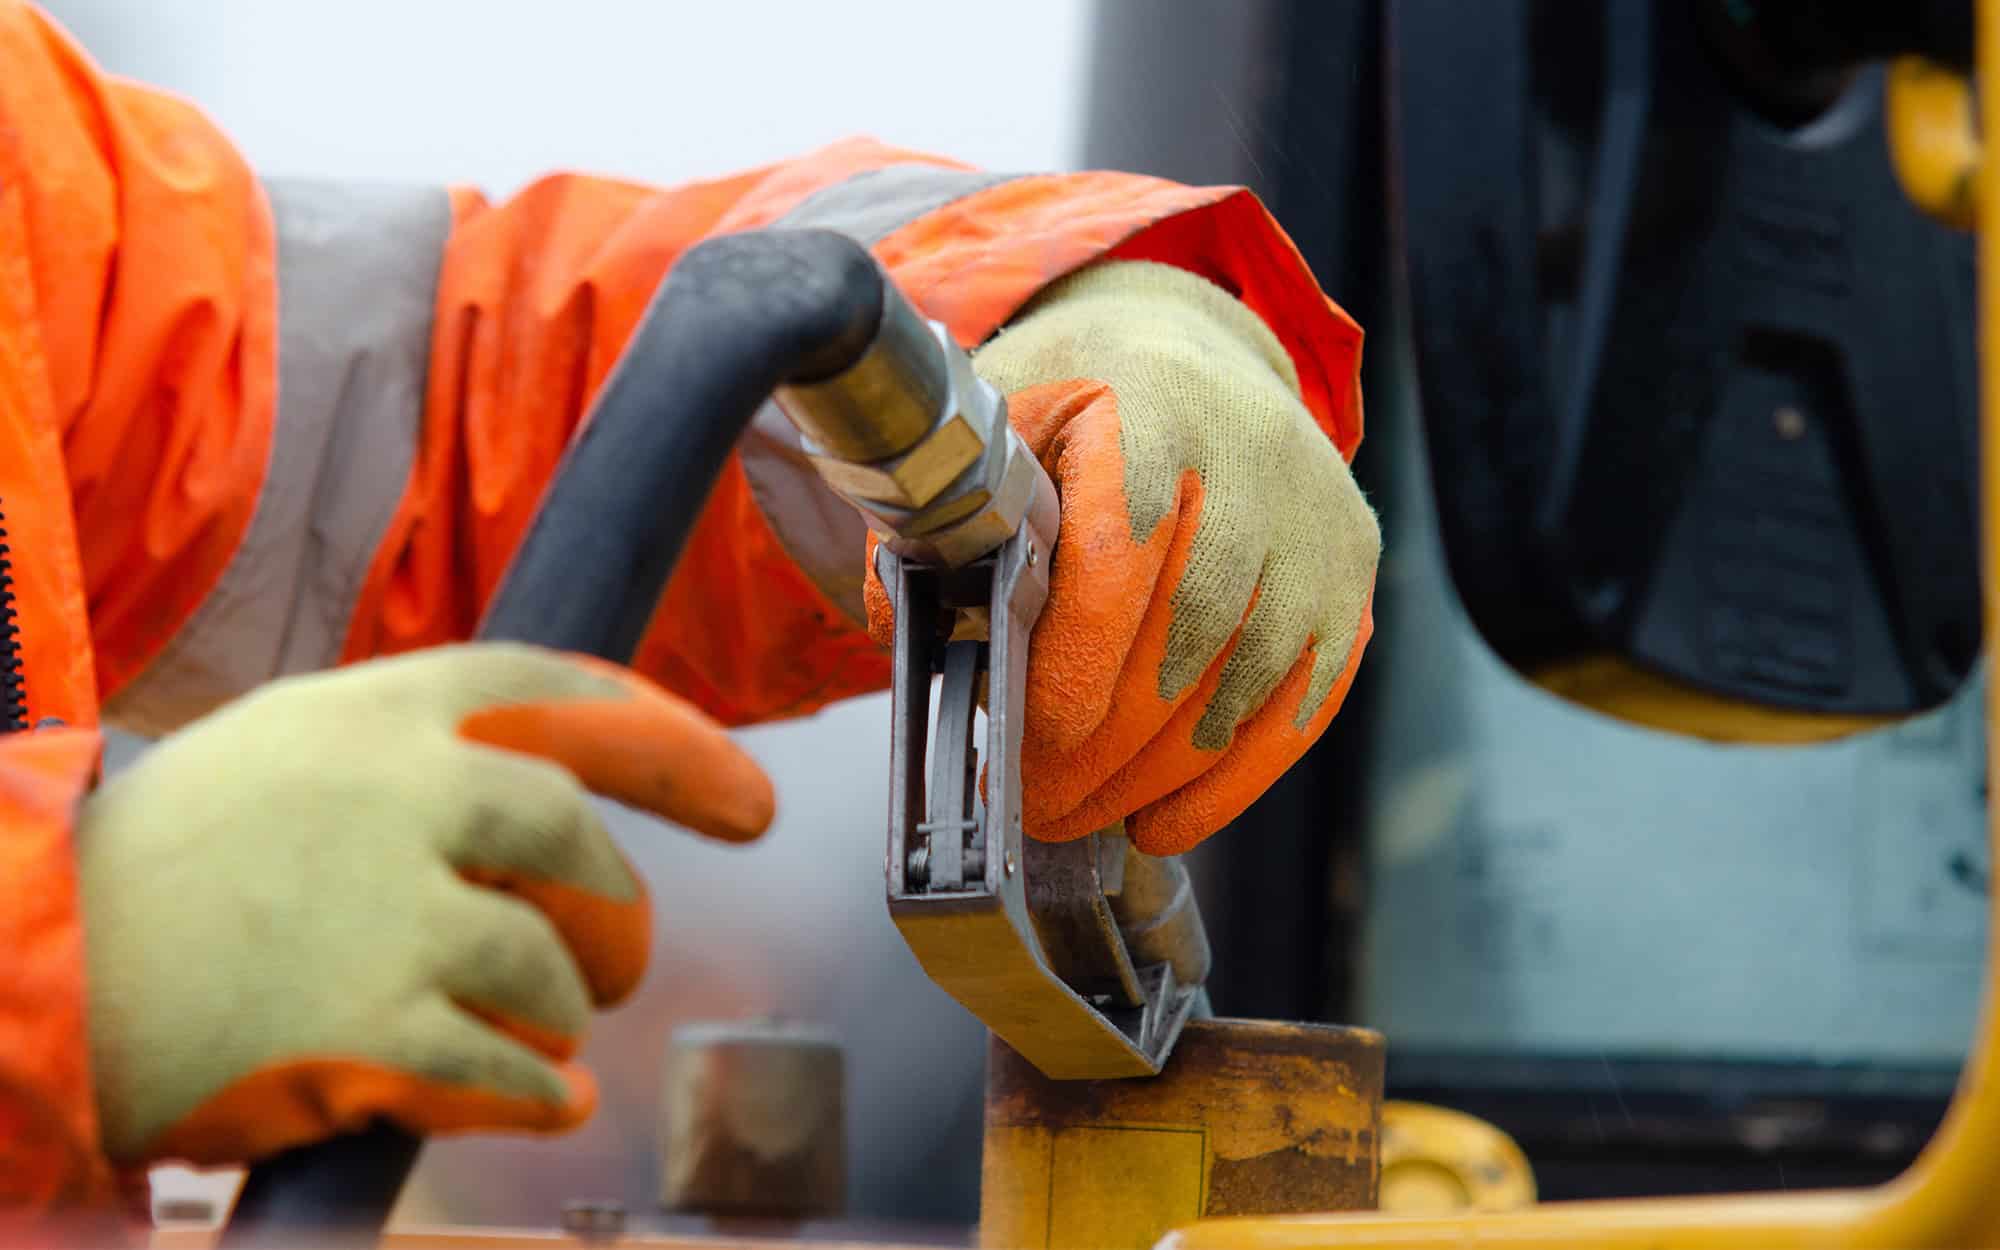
[(1248, 1117), (753, 1120), (883, 403)]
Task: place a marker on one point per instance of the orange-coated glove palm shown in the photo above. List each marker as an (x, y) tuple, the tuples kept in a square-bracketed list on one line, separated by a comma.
[(1209, 598), (381, 892)]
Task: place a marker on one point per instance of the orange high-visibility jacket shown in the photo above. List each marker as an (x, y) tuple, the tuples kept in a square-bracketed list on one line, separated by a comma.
[(252, 429)]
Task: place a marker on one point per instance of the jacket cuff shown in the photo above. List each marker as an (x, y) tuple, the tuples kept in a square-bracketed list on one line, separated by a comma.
[(49, 1144)]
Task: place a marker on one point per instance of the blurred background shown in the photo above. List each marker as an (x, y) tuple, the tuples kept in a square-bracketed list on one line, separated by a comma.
[(494, 94), (1698, 949)]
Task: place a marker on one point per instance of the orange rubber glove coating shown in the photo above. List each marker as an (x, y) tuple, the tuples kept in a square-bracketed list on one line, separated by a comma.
[(1099, 645), (1117, 603)]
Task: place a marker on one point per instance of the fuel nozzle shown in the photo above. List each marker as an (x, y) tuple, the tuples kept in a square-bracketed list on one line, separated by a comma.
[(920, 444)]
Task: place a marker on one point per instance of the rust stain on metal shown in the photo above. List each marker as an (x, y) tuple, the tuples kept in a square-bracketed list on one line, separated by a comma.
[(1277, 1118), (1269, 1184)]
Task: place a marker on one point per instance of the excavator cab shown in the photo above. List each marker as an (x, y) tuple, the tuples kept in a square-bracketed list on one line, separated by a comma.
[(1689, 846), (1655, 830)]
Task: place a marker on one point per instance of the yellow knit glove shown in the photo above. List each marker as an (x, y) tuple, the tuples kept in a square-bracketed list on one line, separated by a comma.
[(1209, 597), (361, 894)]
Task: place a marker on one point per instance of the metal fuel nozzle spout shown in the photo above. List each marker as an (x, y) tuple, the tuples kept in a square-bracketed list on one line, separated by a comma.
[(1086, 957)]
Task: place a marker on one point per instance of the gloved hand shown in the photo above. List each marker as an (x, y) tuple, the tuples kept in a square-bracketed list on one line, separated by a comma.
[(360, 893), (1210, 593)]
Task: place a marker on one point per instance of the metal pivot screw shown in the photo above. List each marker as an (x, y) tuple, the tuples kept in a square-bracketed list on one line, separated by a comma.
[(591, 1222), (1008, 863), (1031, 555), (184, 1211), (1791, 423)]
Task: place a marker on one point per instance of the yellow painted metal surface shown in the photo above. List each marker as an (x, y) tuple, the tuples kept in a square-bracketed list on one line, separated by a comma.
[(1950, 1196), (1436, 1161), (1078, 1189), (1931, 140), (529, 1239), (978, 958), (1247, 1116), (1619, 688)]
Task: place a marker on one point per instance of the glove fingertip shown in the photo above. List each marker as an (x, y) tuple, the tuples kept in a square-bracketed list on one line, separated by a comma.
[(1166, 829), (730, 799), (650, 751), (875, 597), (580, 1097), (1064, 829), (611, 940)]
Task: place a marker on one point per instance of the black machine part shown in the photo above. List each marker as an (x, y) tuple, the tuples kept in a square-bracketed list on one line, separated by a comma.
[(1794, 58), (736, 317), (1698, 380), (336, 1193)]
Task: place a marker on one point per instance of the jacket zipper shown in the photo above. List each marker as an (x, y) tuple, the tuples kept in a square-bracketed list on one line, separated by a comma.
[(13, 682)]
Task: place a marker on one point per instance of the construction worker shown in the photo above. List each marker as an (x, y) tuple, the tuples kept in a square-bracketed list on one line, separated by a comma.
[(254, 437)]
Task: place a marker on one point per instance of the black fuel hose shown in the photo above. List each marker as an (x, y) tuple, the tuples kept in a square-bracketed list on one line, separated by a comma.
[(737, 317)]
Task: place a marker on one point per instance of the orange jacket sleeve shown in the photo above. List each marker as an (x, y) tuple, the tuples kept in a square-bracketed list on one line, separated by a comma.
[(763, 619), (304, 424), (135, 298), (48, 1121), (358, 396)]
